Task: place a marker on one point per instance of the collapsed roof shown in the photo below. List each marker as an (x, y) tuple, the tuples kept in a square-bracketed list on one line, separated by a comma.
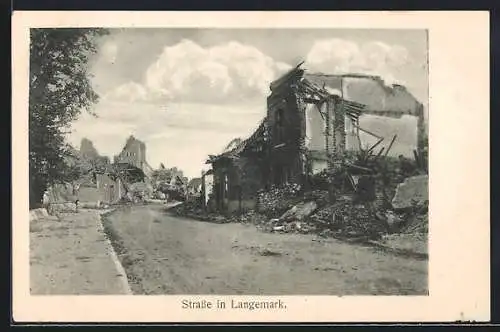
[(127, 170), (361, 93), (312, 92), (258, 137), (195, 182)]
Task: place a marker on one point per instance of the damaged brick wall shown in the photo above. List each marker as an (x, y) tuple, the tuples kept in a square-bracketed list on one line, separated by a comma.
[(286, 114), (236, 183)]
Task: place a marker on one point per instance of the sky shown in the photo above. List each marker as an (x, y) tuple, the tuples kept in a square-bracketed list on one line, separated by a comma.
[(187, 93)]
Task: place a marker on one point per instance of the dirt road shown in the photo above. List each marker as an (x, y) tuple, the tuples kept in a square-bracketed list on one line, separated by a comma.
[(163, 254)]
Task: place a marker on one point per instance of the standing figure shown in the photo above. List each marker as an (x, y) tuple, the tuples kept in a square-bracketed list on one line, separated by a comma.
[(76, 189), (45, 199)]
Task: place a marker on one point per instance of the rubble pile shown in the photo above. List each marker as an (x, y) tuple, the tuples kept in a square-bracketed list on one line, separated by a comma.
[(321, 197), (276, 225), (299, 212), (389, 203), (348, 220), (416, 219), (420, 225), (191, 208), (278, 200)]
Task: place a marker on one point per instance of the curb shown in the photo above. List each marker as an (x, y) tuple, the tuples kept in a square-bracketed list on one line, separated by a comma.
[(119, 267)]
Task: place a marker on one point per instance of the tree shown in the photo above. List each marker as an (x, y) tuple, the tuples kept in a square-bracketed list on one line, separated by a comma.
[(60, 89)]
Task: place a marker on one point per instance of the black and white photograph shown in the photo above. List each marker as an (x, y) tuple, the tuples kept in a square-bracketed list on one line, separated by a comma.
[(228, 161), (250, 166)]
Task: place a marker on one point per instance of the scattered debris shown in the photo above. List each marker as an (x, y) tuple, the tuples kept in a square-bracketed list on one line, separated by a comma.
[(393, 221), (375, 196), (299, 212), (278, 200), (365, 188), (348, 220), (416, 219)]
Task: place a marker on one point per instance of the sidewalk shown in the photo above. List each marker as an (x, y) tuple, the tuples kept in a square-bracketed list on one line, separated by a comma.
[(70, 255)]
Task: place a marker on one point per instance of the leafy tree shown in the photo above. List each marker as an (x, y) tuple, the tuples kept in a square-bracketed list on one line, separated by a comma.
[(59, 90)]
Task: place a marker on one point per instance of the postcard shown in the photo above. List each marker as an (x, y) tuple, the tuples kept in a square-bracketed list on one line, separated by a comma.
[(250, 166)]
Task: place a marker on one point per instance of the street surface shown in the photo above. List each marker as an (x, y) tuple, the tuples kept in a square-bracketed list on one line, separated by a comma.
[(165, 254)]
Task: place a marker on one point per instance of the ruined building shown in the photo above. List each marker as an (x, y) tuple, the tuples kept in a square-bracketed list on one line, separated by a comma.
[(134, 154), (238, 174), (312, 119), (87, 149)]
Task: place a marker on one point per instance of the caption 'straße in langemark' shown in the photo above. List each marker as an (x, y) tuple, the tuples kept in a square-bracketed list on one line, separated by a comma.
[(232, 304)]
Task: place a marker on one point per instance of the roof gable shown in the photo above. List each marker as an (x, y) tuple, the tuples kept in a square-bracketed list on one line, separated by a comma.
[(258, 136)]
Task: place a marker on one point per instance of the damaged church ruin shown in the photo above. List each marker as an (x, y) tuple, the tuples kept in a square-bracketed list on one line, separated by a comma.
[(312, 119), (134, 154), (98, 180)]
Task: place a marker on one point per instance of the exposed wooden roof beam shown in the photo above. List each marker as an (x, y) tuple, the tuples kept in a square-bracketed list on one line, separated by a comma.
[(368, 132)]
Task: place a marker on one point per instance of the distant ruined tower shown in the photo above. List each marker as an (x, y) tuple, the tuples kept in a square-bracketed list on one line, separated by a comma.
[(87, 149), (133, 153)]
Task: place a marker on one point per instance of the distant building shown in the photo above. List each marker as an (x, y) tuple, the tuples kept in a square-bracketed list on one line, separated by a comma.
[(110, 191), (87, 149), (194, 186), (170, 176), (134, 153), (207, 183)]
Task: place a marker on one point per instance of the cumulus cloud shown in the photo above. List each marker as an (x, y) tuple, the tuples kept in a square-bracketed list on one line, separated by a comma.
[(187, 71), (128, 92), (339, 56)]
